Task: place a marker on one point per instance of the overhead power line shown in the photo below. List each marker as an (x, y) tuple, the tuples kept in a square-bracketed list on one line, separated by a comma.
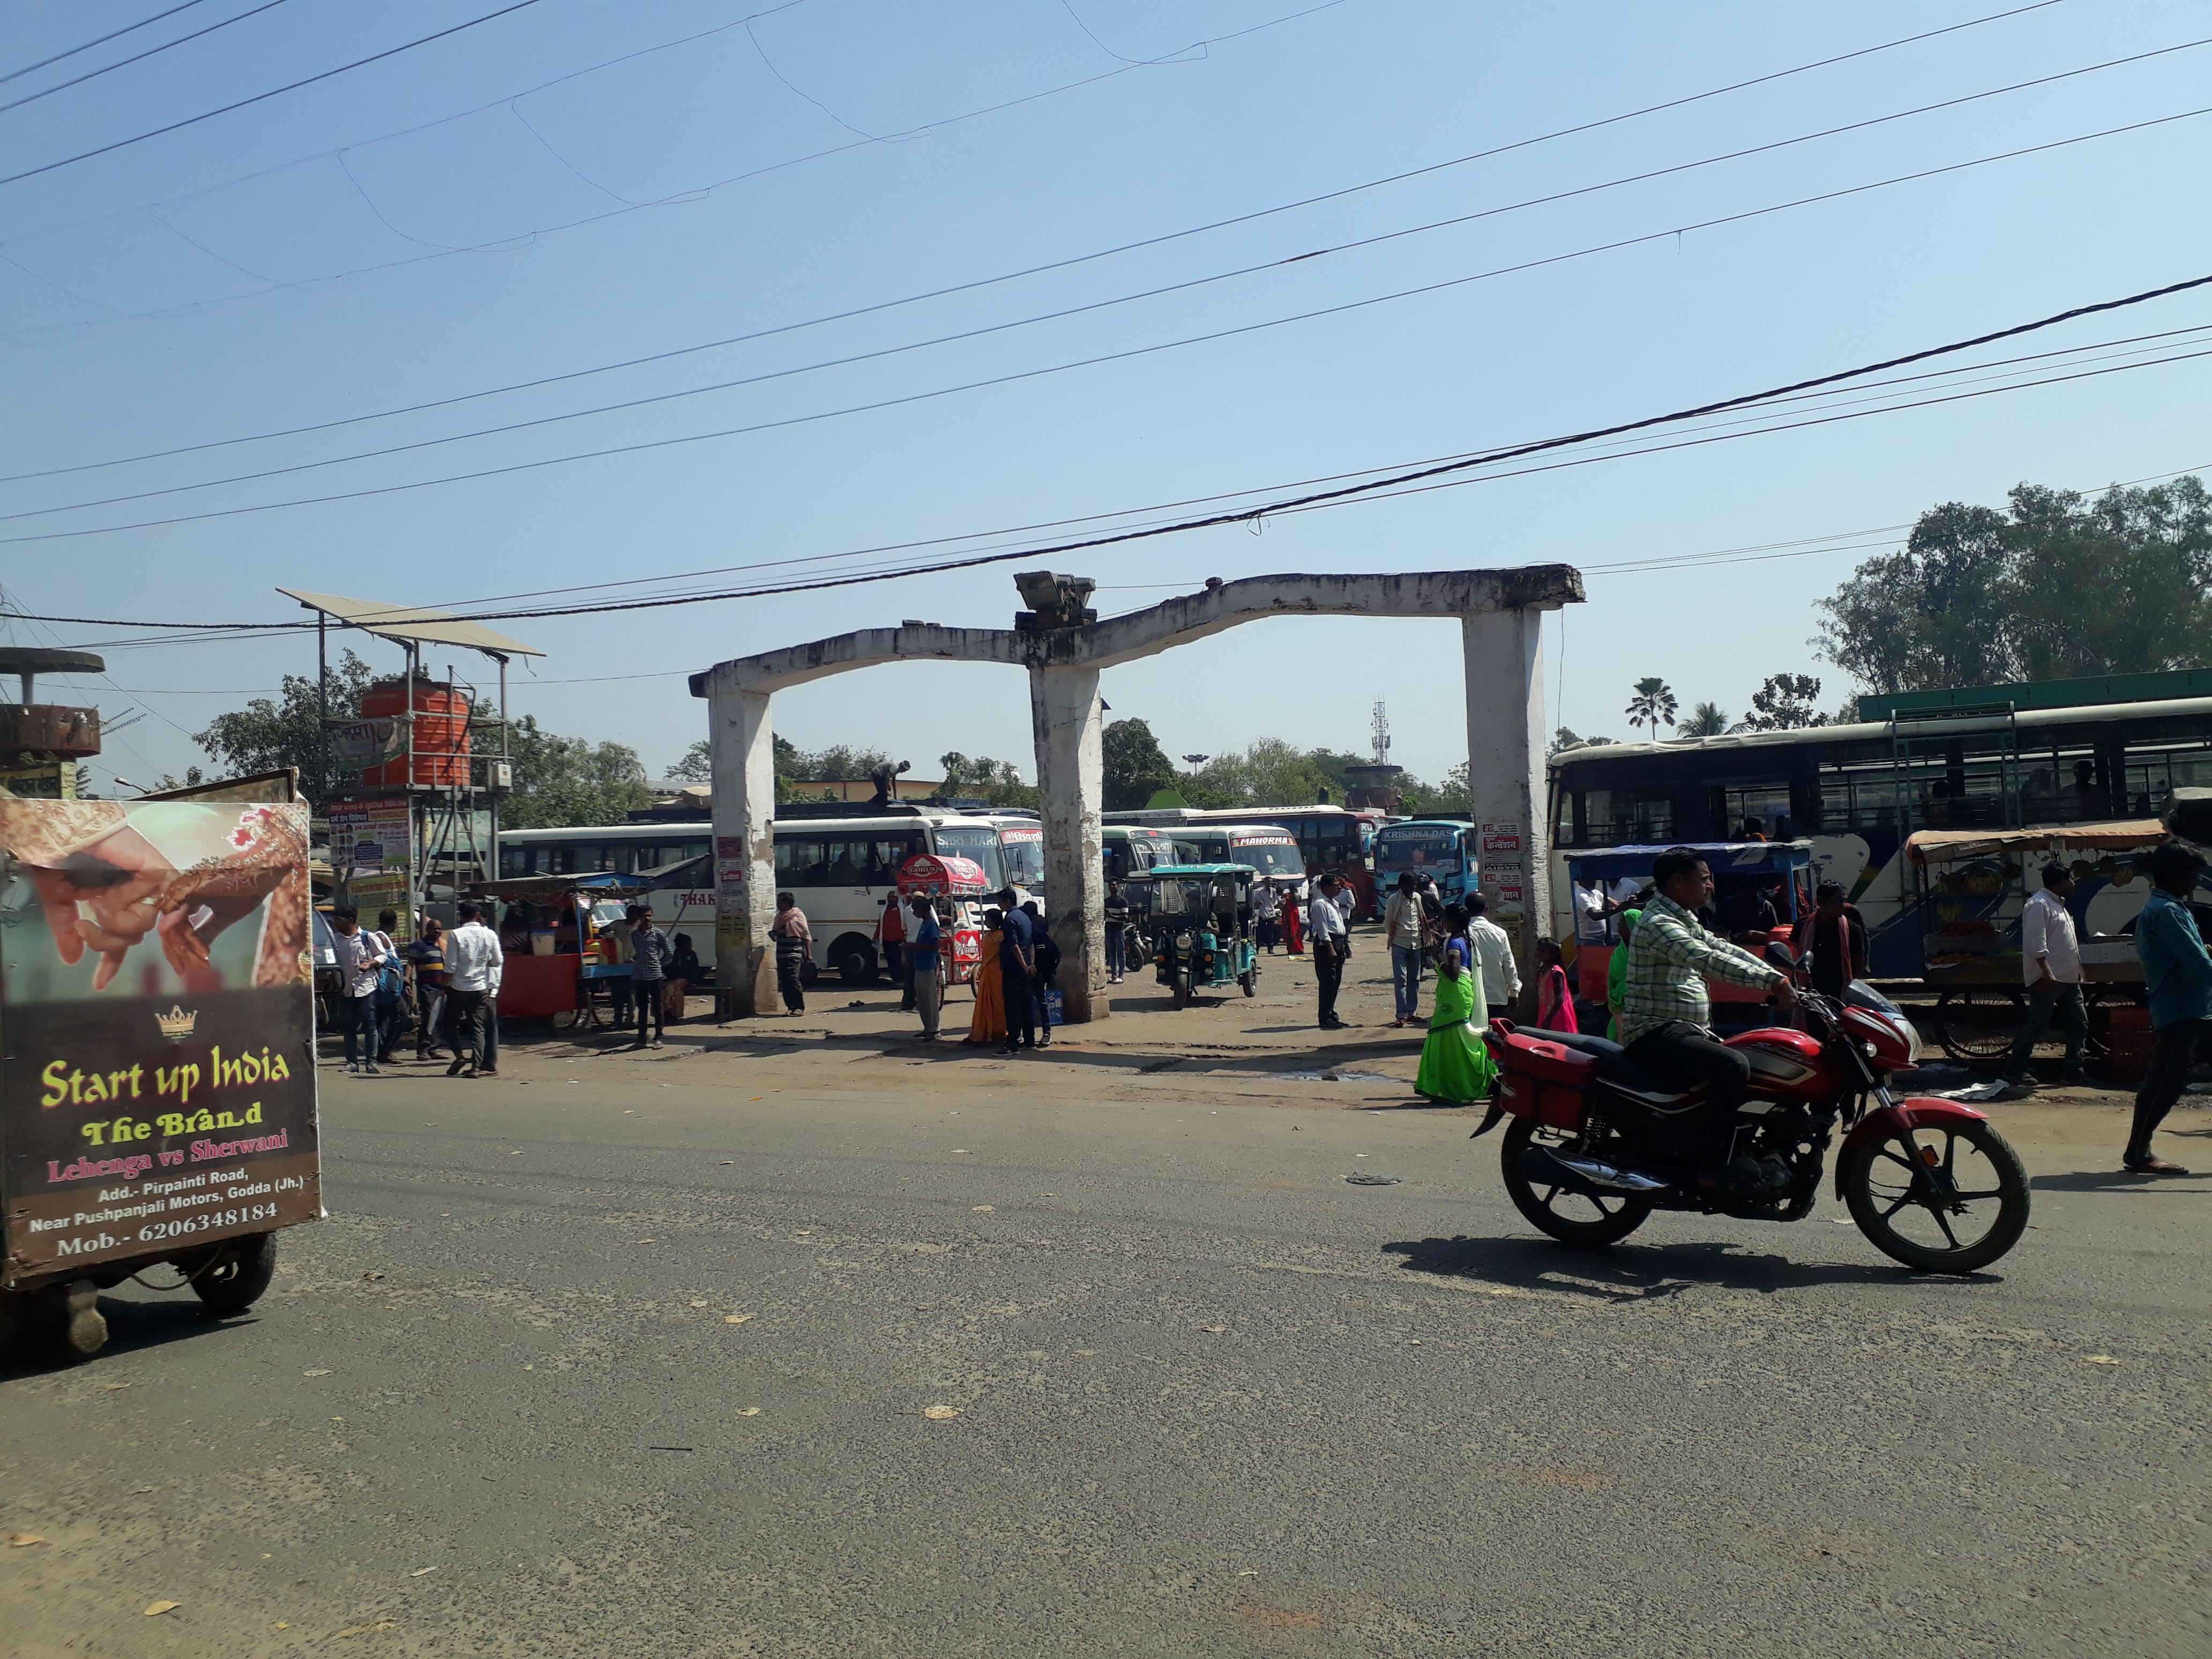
[(1090, 306), (262, 97), (1107, 357), (1314, 499), (150, 52), (116, 34), (1095, 254)]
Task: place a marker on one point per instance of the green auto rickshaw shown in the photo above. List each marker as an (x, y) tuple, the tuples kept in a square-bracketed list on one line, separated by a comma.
[(1199, 919)]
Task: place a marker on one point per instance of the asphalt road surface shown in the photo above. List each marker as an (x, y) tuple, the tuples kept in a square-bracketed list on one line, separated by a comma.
[(846, 1348)]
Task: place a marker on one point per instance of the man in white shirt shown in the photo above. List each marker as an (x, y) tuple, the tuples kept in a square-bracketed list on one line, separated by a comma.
[(2050, 964), (475, 962), (1593, 912), (1493, 955), (360, 961), (1326, 938), (1401, 925)]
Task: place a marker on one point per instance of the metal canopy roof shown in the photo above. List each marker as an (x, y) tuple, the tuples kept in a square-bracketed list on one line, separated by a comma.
[(400, 622)]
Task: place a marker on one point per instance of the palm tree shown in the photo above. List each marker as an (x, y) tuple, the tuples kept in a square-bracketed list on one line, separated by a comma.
[(1654, 701), (1706, 720)]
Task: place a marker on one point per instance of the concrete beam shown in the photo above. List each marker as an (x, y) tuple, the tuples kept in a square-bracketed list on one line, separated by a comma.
[(870, 647)]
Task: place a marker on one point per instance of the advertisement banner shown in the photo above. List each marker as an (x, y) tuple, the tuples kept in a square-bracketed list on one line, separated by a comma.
[(157, 1082), (356, 745), (370, 840)]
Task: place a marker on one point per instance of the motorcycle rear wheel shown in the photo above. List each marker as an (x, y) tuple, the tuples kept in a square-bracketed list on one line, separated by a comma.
[(1570, 1216), (1981, 1222)]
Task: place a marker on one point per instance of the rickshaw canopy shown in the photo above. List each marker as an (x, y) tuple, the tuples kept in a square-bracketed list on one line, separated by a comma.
[(938, 875), (2108, 835)]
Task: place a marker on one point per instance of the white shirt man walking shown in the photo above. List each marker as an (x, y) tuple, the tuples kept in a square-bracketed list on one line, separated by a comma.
[(2050, 965), (475, 962)]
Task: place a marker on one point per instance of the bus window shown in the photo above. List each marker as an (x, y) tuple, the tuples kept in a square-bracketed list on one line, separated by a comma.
[(801, 861), (979, 841)]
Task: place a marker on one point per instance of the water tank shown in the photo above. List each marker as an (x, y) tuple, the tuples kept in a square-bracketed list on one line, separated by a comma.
[(441, 731)]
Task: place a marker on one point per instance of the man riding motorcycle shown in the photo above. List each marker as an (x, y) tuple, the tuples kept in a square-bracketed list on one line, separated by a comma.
[(1665, 1015)]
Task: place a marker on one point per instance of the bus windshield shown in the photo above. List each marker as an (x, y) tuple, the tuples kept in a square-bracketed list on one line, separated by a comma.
[(979, 841), (1024, 853), (1425, 849), (1275, 856)]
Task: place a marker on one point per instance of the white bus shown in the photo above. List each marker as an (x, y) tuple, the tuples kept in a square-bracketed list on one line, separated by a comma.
[(839, 867)]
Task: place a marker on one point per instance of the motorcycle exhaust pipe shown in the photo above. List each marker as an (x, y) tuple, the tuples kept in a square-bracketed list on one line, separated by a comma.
[(1541, 1167)]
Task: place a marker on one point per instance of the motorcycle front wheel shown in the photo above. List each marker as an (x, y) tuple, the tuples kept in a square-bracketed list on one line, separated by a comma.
[(1948, 1198), (1570, 1216)]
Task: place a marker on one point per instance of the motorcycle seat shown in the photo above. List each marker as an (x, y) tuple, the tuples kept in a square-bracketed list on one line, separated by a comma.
[(1613, 1065)]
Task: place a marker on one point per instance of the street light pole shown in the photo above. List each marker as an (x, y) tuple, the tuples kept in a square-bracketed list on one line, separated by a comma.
[(1195, 762)]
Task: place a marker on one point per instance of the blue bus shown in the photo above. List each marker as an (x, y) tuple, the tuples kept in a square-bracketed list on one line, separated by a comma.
[(1441, 847)]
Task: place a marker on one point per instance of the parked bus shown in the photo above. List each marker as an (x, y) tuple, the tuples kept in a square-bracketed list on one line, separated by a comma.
[(839, 866), (1021, 840), (1997, 757), (1130, 848), (1440, 848), (1331, 839)]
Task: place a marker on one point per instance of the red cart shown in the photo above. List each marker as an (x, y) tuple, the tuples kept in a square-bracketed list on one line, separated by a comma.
[(955, 888)]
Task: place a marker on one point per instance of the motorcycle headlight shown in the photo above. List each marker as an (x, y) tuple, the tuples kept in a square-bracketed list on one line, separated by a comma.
[(1183, 941)]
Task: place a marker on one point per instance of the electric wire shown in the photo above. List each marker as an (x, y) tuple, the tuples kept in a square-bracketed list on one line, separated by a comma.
[(1118, 356), (150, 52), (1079, 310), (1037, 269), (1378, 488), (14, 75), (261, 97)]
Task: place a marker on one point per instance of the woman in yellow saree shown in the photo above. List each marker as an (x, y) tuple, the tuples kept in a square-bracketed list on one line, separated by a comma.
[(1456, 1069), (989, 1026)]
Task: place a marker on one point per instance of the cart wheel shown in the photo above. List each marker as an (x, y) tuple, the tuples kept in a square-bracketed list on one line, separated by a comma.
[(565, 1019), (239, 1277), (1977, 1024), (1248, 979), (87, 1329)]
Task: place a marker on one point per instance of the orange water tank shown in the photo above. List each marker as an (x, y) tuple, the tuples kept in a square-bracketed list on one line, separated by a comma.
[(441, 732)]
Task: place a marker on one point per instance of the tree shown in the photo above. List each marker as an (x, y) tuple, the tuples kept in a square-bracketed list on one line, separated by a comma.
[(1784, 703), (697, 765), (560, 780), (2055, 586), (1706, 721), (1136, 768), (1654, 701), (266, 736), (1565, 738), (999, 782)]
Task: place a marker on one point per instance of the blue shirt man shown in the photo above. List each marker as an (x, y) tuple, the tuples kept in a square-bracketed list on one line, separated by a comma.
[(2179, 972), (1017, 963)]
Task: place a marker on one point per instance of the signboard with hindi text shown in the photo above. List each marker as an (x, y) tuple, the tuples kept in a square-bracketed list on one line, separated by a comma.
[(157, 1081)]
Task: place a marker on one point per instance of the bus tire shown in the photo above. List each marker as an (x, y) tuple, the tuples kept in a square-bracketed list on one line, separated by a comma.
[(855, 959)]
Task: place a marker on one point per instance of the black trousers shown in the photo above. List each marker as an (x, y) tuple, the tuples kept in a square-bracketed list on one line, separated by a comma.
[(1021, 1004), (1329, 955), (1689, 1055), (790, 958), (2045, 998), (2174, 1048), (646, 993), (468, 1027)]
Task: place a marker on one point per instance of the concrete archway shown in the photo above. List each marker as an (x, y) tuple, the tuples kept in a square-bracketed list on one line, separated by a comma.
[(1500, 614)]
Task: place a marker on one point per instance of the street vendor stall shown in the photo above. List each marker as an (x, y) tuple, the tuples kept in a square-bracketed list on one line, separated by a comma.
[(1969, 887), (955, 888), (568, 923)]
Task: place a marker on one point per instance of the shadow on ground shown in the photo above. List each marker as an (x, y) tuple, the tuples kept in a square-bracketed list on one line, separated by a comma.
[(1640, 1273)]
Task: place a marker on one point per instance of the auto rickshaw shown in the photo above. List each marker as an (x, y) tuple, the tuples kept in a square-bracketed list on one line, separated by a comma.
[(1198, 917)]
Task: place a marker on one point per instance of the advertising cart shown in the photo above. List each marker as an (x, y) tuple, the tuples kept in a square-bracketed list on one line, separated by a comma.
[(571, 946), (157, 1062), (955, 888), (1969, 886)]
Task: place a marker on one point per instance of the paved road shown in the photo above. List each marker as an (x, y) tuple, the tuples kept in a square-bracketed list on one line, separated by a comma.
[(1211, 1399)]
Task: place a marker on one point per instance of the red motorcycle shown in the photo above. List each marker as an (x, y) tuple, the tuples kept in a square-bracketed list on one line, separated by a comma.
[(1597, 1143)]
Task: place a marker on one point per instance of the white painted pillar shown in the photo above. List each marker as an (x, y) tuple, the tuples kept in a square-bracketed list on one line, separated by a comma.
[(1506, 728), (1064, 716), (743, 746)]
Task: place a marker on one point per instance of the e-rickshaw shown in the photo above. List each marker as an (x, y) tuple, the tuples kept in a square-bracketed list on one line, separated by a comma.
[(1198, 918), (955, 888), (1969, 887)]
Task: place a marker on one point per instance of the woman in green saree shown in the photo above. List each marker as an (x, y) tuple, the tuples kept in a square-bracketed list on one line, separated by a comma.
[(1456, 1069)]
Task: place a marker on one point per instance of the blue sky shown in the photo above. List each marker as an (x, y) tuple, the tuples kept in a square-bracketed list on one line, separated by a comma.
[(295, 262)]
